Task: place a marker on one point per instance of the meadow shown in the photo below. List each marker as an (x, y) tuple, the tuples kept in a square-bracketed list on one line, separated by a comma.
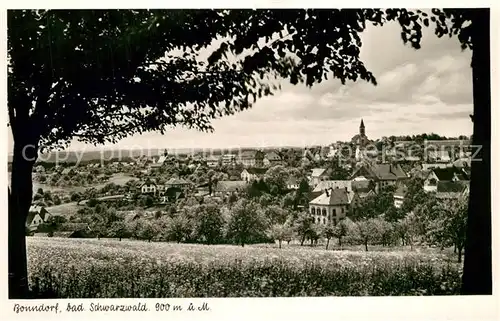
[(106, 268)]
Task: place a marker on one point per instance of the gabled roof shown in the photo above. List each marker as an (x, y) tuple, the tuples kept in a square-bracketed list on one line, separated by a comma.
[(230, 186), (148, 182), (34, 210), (272, 156), (256, 171), (382, 171), (336, 196), (317, 172), (447, 174), (162, 159), (451, 187), (333, 184), (176, 181)]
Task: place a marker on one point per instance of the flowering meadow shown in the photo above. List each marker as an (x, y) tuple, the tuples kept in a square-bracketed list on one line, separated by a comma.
[(91, 268)]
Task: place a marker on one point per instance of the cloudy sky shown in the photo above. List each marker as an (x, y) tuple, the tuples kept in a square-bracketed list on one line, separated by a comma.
[(426, 90)]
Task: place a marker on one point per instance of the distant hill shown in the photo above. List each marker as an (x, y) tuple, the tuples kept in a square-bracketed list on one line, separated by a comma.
[(118, 154)]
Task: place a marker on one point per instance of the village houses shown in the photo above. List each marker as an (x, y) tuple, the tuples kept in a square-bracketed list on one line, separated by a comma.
[(382, 175), (318, 175), (441, 175), (272, 159), (332, 205), (251, 174), (37, 215), (149, 188)]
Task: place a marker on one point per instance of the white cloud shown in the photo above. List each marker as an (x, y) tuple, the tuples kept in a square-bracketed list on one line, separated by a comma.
[(426, 90)]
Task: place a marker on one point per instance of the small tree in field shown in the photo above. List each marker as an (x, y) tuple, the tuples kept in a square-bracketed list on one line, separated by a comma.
[(209, 223), (328, 233), (149, 230), (341, 230), (246, 222), (281, 232), (118, 229), (450, 226), (368, 231), (303, 226), (179, 228)]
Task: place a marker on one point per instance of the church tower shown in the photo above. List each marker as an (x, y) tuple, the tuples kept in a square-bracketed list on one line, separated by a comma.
[(362, 128)]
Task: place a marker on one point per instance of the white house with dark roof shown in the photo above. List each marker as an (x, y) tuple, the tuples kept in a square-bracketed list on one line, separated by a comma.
[(37, 215), (252, 174), (332, 205), (148, 187), (441, 175)]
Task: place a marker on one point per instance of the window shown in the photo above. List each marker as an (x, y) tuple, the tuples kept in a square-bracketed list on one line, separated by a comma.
[(324, 212), (324, 221), (334, 221), (432, 181), (334, 212), (342, 210)]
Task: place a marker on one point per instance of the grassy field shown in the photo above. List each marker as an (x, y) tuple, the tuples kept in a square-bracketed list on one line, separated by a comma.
[(89, 268), (66, 210)]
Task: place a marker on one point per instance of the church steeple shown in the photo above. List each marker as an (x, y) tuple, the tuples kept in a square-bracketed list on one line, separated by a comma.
[(362, 128)]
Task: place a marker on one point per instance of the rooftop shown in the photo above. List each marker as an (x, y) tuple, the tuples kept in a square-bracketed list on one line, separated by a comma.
[(335, 196)]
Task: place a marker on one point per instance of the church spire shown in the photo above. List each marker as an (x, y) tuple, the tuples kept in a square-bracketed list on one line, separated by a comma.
[(362, 128), (362, 124)]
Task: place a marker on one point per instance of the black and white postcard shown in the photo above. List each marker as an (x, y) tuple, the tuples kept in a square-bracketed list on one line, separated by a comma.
[(283, 162)]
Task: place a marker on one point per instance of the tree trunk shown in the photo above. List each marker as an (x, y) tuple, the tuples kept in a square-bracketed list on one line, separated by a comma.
[(454, 248), (366, 246), (20, 198), (327, 242), (120, 239), (460, 255), (477, 276), (302, 240), (279, 243)]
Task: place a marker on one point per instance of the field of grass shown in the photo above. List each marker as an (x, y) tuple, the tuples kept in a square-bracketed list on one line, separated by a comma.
[(66, 210), (91, 268)]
